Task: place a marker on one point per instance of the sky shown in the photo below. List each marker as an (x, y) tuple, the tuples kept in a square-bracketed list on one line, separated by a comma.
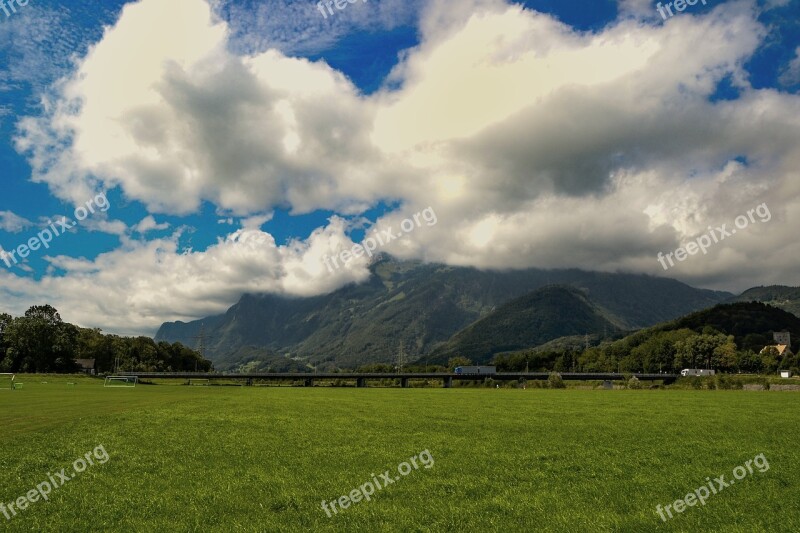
[(158, 159)]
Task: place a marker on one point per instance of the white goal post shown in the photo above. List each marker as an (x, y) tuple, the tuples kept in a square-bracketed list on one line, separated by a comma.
[(121, 381), (7, 381)]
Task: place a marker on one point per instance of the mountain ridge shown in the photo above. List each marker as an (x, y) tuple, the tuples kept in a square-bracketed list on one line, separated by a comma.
[(780, 296), (416, 305), (550, 313)]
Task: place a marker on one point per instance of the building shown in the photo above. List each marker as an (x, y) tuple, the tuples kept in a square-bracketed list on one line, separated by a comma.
[(86, 366), (782, 337), (782, 349)]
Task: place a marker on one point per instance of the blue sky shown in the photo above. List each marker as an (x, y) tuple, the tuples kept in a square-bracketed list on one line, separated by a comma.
[(370, 133)]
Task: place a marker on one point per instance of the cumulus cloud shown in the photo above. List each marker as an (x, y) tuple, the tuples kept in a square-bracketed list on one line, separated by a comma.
[(133, 289), (148, 224), (556, 149), (535, 144), (181, 120), (791, 74), (13, 223)]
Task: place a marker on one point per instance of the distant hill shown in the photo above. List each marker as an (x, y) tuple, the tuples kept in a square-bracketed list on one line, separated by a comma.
[(700, 338), (531, 320), (751, 323), (786, 298), (418, 305)]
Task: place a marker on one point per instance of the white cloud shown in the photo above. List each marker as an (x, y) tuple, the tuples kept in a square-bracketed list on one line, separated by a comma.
[(180, 120), (791, 74), (148, 224), (133, 289), (13, 223), (255, 222)]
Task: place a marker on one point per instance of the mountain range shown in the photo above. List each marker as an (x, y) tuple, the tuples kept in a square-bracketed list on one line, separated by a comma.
[(434, 311)]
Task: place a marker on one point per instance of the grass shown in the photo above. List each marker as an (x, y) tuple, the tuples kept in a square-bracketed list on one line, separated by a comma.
[(263, 459)]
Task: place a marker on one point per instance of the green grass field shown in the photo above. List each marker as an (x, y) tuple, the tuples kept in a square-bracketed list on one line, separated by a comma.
[(263, 459)]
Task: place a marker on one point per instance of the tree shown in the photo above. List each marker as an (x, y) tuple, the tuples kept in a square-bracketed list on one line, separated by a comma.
[(769, 360), (749, 362), (658, 352), (46, 313), (41, 341), (453, 362), (5, 363), (724, 356), (698, 351), (92, 344), (554, 381)]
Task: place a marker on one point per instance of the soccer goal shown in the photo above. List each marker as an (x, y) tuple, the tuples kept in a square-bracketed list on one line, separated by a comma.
[(121, 381), (7, 381), (204, 382)]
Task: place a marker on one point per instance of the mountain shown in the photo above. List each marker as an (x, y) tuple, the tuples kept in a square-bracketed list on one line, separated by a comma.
[(417, 305), (786, 298), (531, 320)]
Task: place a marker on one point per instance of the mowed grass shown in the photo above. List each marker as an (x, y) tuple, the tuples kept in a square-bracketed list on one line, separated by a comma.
[(263, 459)]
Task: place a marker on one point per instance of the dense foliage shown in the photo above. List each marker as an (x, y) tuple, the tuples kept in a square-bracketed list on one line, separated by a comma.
[(41, 342)]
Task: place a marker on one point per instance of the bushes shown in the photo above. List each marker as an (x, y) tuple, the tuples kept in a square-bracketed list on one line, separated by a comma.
[(721, 382), (726, 382), (554, 381)]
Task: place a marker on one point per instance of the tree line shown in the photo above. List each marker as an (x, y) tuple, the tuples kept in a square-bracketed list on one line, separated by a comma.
[(655, 352), (41, 342)]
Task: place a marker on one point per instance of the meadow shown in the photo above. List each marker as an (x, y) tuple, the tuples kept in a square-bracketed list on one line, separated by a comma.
[(264, 458)]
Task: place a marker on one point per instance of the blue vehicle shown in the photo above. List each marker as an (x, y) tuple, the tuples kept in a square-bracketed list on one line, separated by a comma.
[(479, 370)]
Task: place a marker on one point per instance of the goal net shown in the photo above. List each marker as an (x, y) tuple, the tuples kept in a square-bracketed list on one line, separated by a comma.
[(121, 381), (199, 382), (7, 381)]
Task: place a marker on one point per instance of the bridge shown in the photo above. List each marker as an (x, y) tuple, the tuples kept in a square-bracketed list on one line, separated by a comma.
[(361, 378)]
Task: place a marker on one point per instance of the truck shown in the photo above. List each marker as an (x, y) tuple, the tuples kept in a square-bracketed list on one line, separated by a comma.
[(476, 370), (696, 372)]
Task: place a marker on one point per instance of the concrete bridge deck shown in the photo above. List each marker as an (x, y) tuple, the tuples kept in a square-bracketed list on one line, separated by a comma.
[(361, 378)]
